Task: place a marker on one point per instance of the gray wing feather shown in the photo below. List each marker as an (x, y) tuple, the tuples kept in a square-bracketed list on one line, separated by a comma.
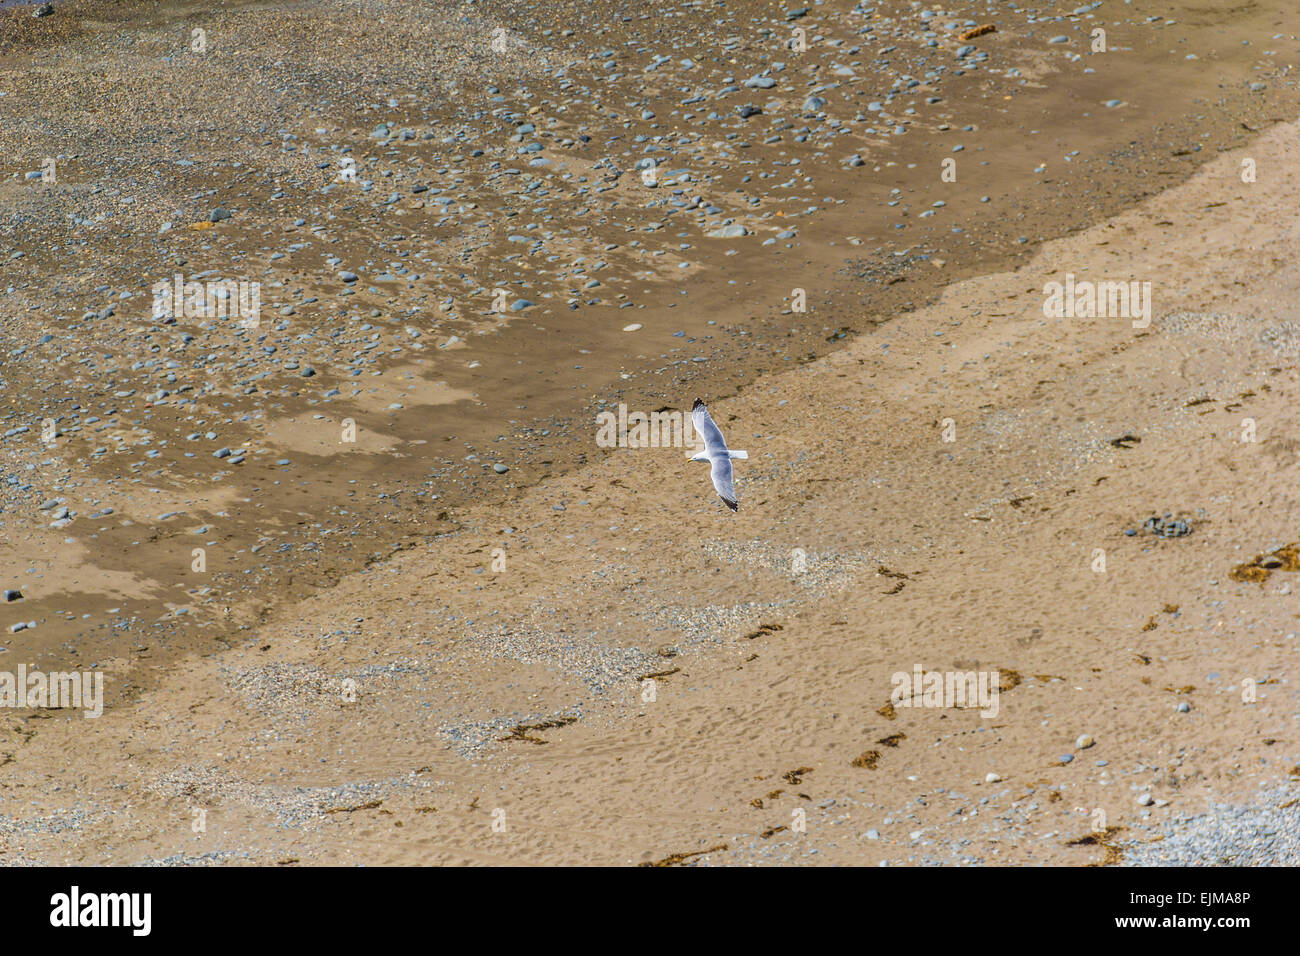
[(720, 472), (714, 443)]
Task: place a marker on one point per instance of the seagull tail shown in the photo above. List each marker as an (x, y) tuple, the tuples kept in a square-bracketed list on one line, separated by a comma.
[(698, 404), (731, 504)]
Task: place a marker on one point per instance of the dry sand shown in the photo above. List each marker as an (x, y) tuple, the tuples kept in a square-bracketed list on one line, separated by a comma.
[(603, 665)]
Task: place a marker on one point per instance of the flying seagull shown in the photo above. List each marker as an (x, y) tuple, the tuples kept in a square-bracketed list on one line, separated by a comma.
[(716, 453)]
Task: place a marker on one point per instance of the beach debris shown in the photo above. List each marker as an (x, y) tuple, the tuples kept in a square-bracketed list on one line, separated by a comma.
[(1168, 526), (1261, 567), (676, 858), (523, 731)]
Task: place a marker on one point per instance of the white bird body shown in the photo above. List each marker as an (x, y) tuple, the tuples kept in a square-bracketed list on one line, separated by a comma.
[(717, 454), (731, 453)]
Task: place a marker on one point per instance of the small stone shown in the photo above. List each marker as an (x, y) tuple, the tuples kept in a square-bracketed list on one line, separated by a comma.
[(992, 778), (500, 469), (12, 594), (1145, 800), (1084, 742)]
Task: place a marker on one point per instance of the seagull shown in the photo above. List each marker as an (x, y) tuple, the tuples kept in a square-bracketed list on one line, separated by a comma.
[(716, 453)]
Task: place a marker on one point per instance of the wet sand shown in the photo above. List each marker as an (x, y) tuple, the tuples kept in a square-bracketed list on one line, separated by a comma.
[(523, 689)]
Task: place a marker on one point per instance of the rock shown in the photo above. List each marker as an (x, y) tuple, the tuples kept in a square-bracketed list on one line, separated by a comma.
[(348, 276), (1084, 742), (992, 778), (749, 110), (634, 327), (1145, 800), (217, 215), (500, 469), (222, 453), (733, 231), (814, 104), (44, 10), (12, 594), (520, 304)]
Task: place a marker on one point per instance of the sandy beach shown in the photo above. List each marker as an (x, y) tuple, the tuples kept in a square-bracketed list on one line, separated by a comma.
[(1004, 320)]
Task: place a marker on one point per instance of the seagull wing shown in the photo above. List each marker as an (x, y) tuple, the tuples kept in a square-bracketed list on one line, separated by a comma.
[(714, 443), (720, 472)]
